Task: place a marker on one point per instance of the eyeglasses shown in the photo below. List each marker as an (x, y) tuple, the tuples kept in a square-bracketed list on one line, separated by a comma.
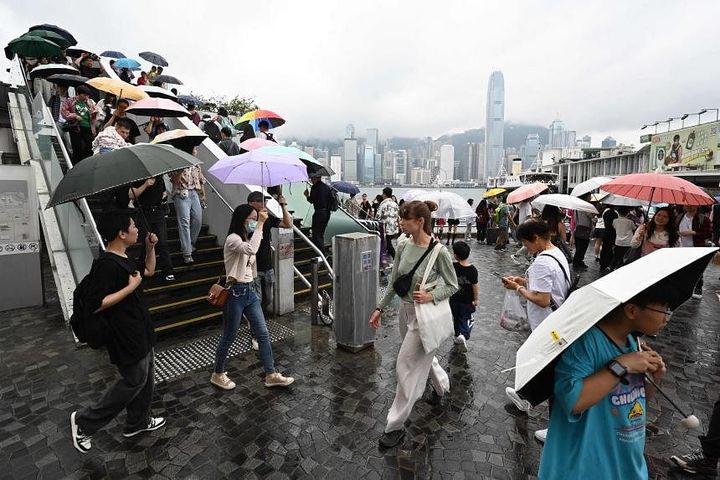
[(667, 311)]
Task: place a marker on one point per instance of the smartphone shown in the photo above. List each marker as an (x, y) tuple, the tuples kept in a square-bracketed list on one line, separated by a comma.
[(497, 274)]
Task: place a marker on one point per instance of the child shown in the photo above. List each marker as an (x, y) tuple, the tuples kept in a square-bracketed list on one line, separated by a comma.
[(463, 302), (599, 410)]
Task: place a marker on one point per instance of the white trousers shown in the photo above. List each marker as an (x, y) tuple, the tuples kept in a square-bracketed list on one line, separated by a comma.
[(412, 369)]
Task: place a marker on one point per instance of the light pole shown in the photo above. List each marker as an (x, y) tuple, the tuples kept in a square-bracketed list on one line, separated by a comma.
[(716, 110), (700, 113), (685, 115), (668, 121)]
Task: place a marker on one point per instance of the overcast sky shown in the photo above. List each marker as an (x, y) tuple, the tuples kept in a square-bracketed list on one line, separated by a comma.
[(417, 68)]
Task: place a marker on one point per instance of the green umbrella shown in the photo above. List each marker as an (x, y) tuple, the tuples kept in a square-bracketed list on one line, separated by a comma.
[(52, 36), (106, 171), (32, 46)]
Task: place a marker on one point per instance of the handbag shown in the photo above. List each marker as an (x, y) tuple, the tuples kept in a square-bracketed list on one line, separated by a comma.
[(434, 319), (218, 294), (634, 253), (403, 283)]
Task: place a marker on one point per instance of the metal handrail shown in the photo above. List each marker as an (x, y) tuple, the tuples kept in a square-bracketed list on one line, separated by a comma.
[(357, 221), (299, 274), (84, 207)]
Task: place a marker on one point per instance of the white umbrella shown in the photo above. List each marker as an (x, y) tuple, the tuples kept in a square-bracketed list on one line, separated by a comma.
[(620, 201), (563, 201), (412, 193), (680, 267), (589, 185), (450, 205)]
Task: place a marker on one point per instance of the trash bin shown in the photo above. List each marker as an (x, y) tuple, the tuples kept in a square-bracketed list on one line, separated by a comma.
[(355, 261)]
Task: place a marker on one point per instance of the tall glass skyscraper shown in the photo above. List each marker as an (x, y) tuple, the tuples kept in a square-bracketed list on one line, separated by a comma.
[(494, 124)]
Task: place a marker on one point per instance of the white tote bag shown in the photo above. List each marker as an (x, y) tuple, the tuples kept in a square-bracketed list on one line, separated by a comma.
[(434, 319)]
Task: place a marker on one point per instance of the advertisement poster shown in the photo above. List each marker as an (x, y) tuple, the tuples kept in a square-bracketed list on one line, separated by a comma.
[(693, 147), (18, 216)]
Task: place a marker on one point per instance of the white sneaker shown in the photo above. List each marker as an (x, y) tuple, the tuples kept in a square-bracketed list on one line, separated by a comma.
[(522, 404), (81, 442), (515, 259), (541, 435), (255, 345), (461, 343)]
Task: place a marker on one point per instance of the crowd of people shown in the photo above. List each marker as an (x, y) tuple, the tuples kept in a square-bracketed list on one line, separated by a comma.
[(552, 242)]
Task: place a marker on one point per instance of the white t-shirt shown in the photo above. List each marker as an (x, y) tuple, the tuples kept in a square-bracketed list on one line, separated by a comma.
[(686, 224), (624, 230), (524, 211), (546, 276)]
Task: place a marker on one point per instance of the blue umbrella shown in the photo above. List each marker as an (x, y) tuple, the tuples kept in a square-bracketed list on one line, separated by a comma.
[(185, 99), (345, 187), (128, 63), (112, 54)]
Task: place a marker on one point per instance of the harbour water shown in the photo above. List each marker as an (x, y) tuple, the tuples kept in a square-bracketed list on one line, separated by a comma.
[(466, 193)]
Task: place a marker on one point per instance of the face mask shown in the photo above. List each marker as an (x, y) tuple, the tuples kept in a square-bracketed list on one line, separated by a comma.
[(251, 226)]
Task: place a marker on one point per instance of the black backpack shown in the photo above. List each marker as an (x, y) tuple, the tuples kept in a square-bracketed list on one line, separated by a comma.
[(212, 130), (89, 327), (333, 202), (573, 280)]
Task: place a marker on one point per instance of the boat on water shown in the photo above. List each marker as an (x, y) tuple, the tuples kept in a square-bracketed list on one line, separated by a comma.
[(509, 181)]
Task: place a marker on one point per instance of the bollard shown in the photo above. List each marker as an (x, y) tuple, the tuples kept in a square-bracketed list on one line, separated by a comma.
[(314, 315)]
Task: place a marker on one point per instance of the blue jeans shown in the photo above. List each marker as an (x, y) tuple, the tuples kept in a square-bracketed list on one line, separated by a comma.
[(462, 318), (189, 219), (242, 299)]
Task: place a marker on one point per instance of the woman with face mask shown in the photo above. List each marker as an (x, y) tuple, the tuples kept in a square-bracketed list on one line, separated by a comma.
[(241, 245)]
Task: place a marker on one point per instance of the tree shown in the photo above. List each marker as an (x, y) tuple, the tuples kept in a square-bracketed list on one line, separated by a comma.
[(238, 105)]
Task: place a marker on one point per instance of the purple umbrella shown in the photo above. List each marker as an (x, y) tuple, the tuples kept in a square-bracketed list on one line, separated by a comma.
[(260, 168)]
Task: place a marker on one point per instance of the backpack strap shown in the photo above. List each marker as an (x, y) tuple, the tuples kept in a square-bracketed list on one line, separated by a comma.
[(567, 278)]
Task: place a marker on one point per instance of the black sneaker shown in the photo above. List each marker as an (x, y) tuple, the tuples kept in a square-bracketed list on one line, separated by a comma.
[(155, 423), (391, 439), (696, 462), (81, 442)]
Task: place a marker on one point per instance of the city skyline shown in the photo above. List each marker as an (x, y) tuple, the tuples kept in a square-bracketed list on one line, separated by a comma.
[(405, 82)]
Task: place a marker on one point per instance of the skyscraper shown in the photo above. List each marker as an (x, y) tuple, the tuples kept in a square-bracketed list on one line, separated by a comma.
[(608, 142), (494, 124), (556, 138), (530, 151), (447, 163), (368, 166), (372, 138)]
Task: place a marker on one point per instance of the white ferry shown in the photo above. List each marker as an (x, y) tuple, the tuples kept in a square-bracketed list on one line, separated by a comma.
[(511, 182)]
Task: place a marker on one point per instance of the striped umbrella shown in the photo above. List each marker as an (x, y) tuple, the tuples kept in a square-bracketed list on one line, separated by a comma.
[(257, 116)]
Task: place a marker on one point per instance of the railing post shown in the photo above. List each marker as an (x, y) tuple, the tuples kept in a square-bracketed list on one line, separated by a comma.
[(314, 314)]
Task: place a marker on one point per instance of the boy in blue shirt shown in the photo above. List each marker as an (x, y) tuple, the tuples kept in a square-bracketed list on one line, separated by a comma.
[(598, 415)]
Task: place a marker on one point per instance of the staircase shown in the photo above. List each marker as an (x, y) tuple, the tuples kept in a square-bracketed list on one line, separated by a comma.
[(182, 302)]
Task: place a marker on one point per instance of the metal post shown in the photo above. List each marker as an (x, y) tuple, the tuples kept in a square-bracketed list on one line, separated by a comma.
[(314, 315)]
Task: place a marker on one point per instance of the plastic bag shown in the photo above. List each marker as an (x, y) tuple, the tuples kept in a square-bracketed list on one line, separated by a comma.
[(514, 314)]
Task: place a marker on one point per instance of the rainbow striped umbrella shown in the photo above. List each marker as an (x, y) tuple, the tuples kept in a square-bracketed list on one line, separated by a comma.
[(257, 116)]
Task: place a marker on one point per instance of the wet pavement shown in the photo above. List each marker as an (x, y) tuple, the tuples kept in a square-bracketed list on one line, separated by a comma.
[(327, 424)]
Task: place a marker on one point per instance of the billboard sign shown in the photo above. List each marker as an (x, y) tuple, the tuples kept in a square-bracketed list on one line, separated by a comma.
[(696, 147)]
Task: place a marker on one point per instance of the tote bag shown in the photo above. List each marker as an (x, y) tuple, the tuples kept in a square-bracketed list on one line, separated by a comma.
[(434, 319)]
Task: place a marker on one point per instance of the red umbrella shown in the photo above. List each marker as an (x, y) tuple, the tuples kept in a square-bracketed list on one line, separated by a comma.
[(658, 188), (526, 191), (158, 107)]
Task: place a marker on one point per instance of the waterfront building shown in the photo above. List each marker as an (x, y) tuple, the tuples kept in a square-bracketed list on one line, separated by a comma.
[(596, 162), (400, 167), (350, 160), (420, 176), (447, 163), (378, 168), (555, 134), (608, 142), (529, 151), (367, 166), (476, 161), (494, 124), (388, 165), (336, 166)]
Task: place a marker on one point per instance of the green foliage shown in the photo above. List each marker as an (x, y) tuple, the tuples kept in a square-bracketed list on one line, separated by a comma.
[(237, 105)]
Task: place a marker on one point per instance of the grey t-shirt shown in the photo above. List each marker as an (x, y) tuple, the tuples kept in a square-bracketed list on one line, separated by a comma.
[(546, 276)]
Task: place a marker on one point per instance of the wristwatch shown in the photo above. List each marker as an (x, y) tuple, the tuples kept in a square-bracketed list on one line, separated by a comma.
[(618, 370)]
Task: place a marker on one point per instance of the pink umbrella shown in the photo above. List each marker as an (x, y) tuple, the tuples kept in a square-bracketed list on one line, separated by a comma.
[(526, 192), (255, 143), (158, 107), (658, 188)]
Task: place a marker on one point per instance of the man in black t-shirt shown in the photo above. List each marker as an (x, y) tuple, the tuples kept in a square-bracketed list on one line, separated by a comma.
[(130, 338), (319, 196), (151, 196), (265, 272), (464, 301)]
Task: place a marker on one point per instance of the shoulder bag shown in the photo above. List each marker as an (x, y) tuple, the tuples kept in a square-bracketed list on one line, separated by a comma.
[(434, 319), (218, 294), (403, 283)]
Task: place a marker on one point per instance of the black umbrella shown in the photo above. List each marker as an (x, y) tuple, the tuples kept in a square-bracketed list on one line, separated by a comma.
[(67, 79), (185, 140), (345, 187), (54, 28), (185, 99), (154, 58), (112, 54), (44, 71), (167, 79), (123, 166), (75, 52)]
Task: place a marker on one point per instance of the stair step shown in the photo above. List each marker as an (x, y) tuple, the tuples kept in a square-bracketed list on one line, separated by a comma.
[(188, 319), (181, 284)]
